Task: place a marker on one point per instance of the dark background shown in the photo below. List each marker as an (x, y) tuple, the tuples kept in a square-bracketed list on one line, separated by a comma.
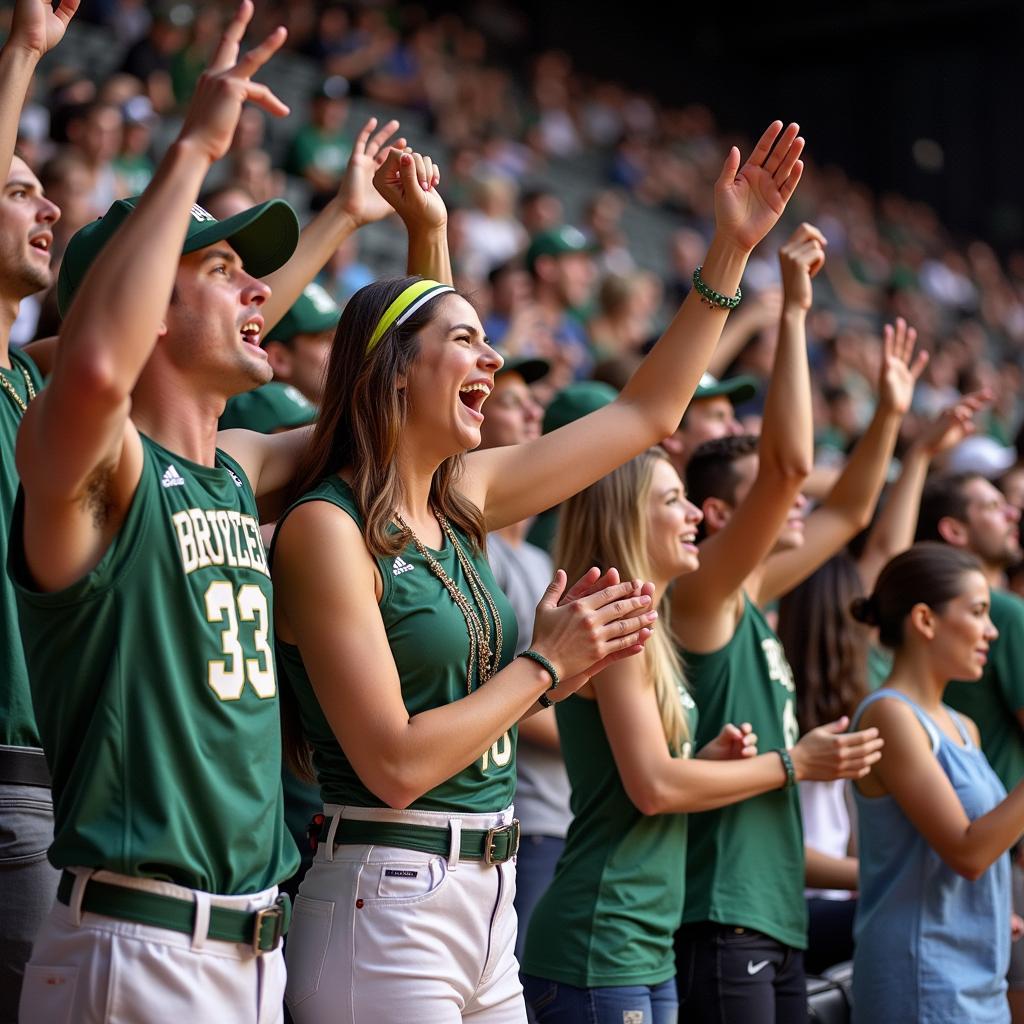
[(865, 81)]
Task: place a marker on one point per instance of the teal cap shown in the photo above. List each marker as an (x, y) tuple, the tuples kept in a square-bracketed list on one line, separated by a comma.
[(264, 237), (313, 312), (557, 242), (577, 400)]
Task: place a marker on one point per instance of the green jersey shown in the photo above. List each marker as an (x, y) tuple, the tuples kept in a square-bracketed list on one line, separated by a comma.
[(154, 687), (430, 645), (995, 700), (267, 409), (609, 915), (745, 862), (17, 722)]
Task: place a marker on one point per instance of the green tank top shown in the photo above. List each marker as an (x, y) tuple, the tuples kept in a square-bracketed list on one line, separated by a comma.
[(154, 687), (430, 645), (610, 914), (994, 700), (745, 862), (17, 721)]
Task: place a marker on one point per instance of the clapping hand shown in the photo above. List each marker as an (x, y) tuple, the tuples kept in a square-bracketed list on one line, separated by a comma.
[(899, 371), (733, 743), (749, 200), (227, 84)]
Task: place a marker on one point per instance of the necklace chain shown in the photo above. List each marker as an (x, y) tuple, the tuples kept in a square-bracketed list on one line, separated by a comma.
[(12, 391), (478, 618)]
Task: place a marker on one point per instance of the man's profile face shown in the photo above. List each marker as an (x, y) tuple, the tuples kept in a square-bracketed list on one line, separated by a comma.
[(26, 221)]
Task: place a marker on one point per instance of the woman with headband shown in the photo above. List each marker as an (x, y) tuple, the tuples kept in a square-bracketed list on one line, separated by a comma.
[(396, 644)]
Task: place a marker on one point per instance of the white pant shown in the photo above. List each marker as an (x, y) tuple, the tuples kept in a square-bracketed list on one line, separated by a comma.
[(383, 935), (91, 969)]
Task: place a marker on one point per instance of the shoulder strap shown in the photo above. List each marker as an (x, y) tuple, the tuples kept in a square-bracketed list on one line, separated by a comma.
[(960, 727), (934, 736)]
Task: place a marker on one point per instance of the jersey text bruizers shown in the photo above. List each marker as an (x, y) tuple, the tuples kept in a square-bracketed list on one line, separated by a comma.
[(208, 537)]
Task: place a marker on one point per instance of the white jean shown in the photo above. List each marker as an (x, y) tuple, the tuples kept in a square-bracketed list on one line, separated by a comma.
[(384, 935), (91, 969)]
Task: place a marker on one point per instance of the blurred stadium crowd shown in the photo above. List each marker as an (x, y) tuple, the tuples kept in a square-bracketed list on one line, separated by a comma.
[(527, 149)]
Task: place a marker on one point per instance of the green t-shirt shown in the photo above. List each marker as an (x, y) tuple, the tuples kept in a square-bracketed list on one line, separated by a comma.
[(430, 645), (269, 408), (154, 688), (17, 721), (879, 666), (610, 914), (994, 700), (745, 862), (312, 147)]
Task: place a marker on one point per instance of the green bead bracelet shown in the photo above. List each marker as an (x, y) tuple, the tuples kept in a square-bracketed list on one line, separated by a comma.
[(713, 298)]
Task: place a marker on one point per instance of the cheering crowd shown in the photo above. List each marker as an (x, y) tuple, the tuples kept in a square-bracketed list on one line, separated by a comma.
[(418, 648)]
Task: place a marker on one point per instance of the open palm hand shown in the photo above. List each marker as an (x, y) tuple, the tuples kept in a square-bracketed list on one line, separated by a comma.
[(37, 27), (749, 200), (900, 368), (359, 199)]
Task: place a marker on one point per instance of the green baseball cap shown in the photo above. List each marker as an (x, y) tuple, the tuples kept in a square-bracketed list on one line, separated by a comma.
[(314, 311), (739, 389), (528, 368), (557, 242), (274, 406), (264, 237), (577, 400)]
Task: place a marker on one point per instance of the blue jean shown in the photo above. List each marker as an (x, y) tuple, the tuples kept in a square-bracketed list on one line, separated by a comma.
[(554, 1002), (535, 867), (28, 883)]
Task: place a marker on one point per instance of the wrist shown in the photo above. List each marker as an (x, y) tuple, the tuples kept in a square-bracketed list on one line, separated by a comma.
[(799, 766), (342, 218), (794, 311), (20, 53), (185, 149), (725, 246)]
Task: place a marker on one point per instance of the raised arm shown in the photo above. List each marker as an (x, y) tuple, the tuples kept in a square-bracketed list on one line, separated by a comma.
[(36, 28), (330, 610), (78, 454), (705, 604), (849, 507), (514, 482), (896, 523), (408, 182), (658, 783), (356, 205)]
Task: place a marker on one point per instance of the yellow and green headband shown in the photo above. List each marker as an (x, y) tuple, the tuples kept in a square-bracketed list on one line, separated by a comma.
[(410, 300)]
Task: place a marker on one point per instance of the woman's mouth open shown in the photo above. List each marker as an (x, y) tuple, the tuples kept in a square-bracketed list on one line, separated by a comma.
[(474, 395)]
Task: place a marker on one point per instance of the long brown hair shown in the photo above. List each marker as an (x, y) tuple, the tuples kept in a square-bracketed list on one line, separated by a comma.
[(606, 525), (363, 414), (826, 648)]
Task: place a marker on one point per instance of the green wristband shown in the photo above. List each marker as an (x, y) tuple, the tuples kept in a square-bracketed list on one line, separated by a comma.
[(713, 298), (787, 763), (544, 700)]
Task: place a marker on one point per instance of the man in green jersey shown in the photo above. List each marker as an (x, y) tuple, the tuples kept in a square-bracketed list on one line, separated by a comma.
[(740, 949), (145, 601), (27, 882), (967, 511)]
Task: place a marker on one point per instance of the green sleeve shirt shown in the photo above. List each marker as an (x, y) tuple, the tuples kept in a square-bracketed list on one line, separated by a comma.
[(994, 700)]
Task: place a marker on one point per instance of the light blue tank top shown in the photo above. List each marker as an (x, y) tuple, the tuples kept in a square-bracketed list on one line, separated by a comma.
[(931, 946)]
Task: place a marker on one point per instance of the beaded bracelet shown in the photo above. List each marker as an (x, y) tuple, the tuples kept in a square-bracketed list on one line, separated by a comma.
[(787, 763), (713, 298), (544, 700)]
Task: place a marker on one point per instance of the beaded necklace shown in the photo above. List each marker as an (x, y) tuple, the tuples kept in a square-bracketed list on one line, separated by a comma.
[(12, 392), (478, 622)]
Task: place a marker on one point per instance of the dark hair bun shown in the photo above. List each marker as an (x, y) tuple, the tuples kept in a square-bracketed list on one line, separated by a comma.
[(865, 609)]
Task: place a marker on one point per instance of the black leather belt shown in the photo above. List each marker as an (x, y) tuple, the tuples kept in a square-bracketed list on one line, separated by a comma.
[(23, 766)]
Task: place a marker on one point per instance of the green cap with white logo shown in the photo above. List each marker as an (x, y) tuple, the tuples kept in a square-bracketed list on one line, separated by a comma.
[(314, 311), (557, 242), (264, 237)]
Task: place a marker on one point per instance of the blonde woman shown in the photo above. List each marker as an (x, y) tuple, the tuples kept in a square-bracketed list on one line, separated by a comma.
[(599, 945)]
